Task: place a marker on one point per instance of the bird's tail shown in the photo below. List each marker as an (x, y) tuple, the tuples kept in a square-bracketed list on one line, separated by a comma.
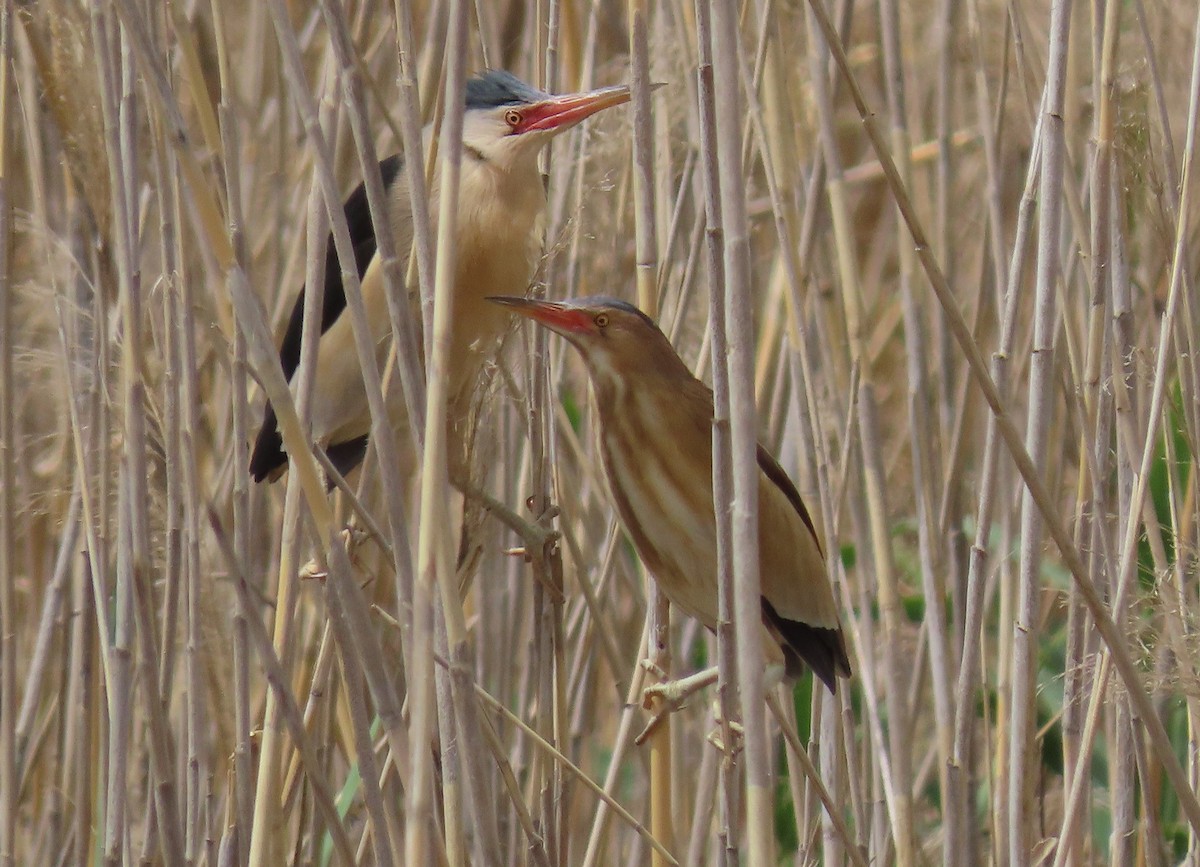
[(823, 650), (268, 458), (345, 456)]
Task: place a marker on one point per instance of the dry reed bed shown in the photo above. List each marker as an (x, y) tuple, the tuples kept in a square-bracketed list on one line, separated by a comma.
[(952, 270)]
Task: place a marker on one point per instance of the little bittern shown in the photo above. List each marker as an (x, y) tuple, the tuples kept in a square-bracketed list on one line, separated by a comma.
[(500, 212), (655, 440)]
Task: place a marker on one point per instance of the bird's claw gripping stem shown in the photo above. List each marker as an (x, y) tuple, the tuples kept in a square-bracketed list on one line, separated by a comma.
[(535, 534), (676, 692), (670, 695), (736, 733), (352, 537)]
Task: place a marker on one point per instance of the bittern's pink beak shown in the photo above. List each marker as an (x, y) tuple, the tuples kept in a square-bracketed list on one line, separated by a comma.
[(562, 318), (563, 112)]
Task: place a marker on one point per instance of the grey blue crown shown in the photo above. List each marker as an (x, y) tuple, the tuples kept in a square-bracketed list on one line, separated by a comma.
[(495, 87), (608, 301)]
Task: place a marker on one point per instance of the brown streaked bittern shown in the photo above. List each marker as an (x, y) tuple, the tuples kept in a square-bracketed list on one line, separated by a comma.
[(655, 440), (500, 214)]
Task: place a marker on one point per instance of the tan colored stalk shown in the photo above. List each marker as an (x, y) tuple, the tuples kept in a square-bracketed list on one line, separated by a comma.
[(646, 273), (264, 835), (354, 683), (727, 661), (8, 511), (1037, 488), (897, 756), (116, 102), (1020, 794), (421, 260), (923, 429), (289, 711), (206, 206), (1095, 445), (435, 547), (549, 645), (743, 430), (971, 627)]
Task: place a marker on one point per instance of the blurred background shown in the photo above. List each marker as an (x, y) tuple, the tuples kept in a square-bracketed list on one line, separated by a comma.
[(989, 403)]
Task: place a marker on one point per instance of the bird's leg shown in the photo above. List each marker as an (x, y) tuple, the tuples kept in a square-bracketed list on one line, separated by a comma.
[(352, 537), (670, 695), (736, 731), (536, 534), (772, 677), (727, 735), (675, 692)]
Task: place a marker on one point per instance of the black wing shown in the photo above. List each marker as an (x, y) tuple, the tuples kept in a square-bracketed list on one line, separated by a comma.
[(823, 650), (268, 455)]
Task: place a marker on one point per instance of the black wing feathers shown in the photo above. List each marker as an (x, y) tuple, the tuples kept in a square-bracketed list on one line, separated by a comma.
[(268, 455), (823, 650), (362, 234)]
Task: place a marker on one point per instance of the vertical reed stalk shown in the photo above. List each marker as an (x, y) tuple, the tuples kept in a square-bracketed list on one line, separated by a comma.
[(743, 429), (1037, 433), (897, 235), (8, 510)]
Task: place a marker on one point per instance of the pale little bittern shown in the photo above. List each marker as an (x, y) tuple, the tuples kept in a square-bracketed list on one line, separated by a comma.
[(655, 440), (501, 204)]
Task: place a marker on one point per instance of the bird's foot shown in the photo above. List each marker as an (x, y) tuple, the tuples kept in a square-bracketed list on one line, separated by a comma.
[(675, 692), (655, 669), (537, 535), (352, 538), (718, 738), (313, 571), (538, 538), (669, 696)]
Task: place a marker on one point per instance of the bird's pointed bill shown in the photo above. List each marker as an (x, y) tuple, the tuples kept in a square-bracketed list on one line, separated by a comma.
[(558, 317), (563, 112)]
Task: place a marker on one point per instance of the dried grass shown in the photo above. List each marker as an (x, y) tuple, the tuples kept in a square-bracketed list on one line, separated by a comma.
[(974, 347)]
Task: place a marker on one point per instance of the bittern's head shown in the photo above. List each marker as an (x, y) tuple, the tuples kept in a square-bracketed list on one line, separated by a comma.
[(507, 120), (618, 342)]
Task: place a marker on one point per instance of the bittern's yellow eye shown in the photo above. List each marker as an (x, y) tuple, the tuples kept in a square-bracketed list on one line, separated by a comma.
[(601, 320), (512, 117)]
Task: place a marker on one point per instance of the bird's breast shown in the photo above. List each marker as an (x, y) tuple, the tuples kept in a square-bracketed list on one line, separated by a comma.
[(659, 472), (500, 229)]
